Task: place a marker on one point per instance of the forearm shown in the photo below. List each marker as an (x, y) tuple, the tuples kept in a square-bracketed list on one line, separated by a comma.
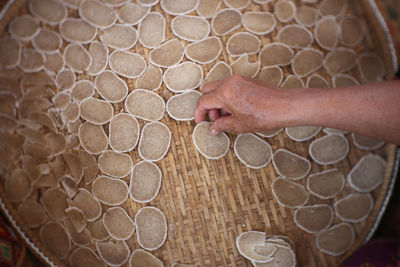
[(371, 110)]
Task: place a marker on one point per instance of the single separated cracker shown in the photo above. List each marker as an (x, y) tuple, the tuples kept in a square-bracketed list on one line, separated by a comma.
[(329, 149), (326, 184), (210, 146), (155, 141), (252, 151), (314, 219), (354, 207), (181, 107), (109, 191), (118, 223), (151, 227), (290, 165), (336, 240), (289, 194)]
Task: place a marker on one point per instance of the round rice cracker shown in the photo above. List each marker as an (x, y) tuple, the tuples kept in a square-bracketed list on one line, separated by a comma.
[(85, 34), (77, 58), (146, 105), (119, 37), (32, 213), (97, 14), (306, 16), (127, 64), (208, 8), (82, 89), (84, 256), (339, 60), (18, 186), (351, 31), (326, 184), (151, 79), (145, 181), (118, 223), (151, 227), (336, 240), (23, 27), (109, 191), (61, 100), (354, 207), (242, 66), (307, 61), (132, 13), (275, 54), (371, 67), (302, 133), (285, 10), (47, 41), (54, 238), (113, 253), (96, 111), (142, 256), (314, 219), (124, 131), (225, 21), (329, 149), (290, 165), (327, 32), (31, 60), (252, 245), (333, 7), (252, 151), (100, 58), (181, 107), (219, 71), (289, 194), (190, 28), (366, 143), (92, 138), (50, 11), (110, 87), (272, 75), (155, 141), (179, 7), (152, 30), (114, 164), (85, 201), (367, 174), (344, 80), (257, 22), (243, 43), (71, 112), (204, 51), (183, 77), (210, 146), (168, 54), (295, 36)]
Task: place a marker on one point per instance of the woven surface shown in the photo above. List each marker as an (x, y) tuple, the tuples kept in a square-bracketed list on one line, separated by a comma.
[(208, 203)]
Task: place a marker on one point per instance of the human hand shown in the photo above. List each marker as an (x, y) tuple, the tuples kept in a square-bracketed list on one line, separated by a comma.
[(240, 104)]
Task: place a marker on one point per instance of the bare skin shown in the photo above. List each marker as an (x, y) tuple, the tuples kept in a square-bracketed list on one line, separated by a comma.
[(239, 104)]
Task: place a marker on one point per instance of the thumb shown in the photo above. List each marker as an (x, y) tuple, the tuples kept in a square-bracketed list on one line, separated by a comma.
[(222, 124)]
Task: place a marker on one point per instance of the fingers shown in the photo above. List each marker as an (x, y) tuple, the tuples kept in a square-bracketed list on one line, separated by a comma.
[(223, 124), (206, 103), (214, 114), (211, 87)]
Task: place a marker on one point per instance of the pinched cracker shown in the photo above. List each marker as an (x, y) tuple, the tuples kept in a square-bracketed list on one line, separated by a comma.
[(242, 66), (99, 54), (272, 75), (65, 79), (183, 77), (210, 146), (219, 71), (181, 107)]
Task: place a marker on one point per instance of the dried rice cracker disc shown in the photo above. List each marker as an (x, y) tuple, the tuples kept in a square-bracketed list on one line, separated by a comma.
[(91, 168), (124, 131), (71, 112), (333, 7), (145, 181), (23, 27), (336, 240), (190, 28), (252, 245), (366, 143), (344, 80), (306, 16), (110, 87), (50, 11), (126, 64), (243, 43), (292, 81), (114, 253), (179, 7), (80, 239), (97, 230), (110, 191), (225, 21), (307, 61), (31, 213), (219, 71), (326, 184), (119, 36), (54, 63), (242, 66), (151, 227), (272, 75), (84, 256), (316, 81), (259, 22), (142, 258), (302, 133), (54, 238), (61, 100), (99, 54), (31, 60), (151, 79), (77, 31), (155, 141), (339, 60), (270, 133), (295, 36), (371, 67), (208, 8), (210, 146), (168, 54), (152, 30), (183, 77), (252, 151), (96, 111), (86, 203), (276, 54), (55, 203), (314, 219), (289, 194), (327, 32), (285, 10), (57, 143), (92, 138), (181, 107), (290, 165), (237, 4), (18, 186), (354, 207), (333, 131), (77, 218), (10, 51), (77, 57), (82, 89), (329, 149), (204, 51), (284, 256), (146, 105), (351, 30), (115, 164), (97, 13), (148, 3), (132, 13), (118, 223), (367, 174)]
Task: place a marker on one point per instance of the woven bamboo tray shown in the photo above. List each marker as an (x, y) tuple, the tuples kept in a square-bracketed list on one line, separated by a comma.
[(208, 203)]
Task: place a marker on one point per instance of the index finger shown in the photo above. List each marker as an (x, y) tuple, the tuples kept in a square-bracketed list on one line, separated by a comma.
[(206, 102), (212, 86)]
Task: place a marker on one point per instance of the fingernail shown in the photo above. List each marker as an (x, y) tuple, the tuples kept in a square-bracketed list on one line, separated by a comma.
[(214, 132)]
